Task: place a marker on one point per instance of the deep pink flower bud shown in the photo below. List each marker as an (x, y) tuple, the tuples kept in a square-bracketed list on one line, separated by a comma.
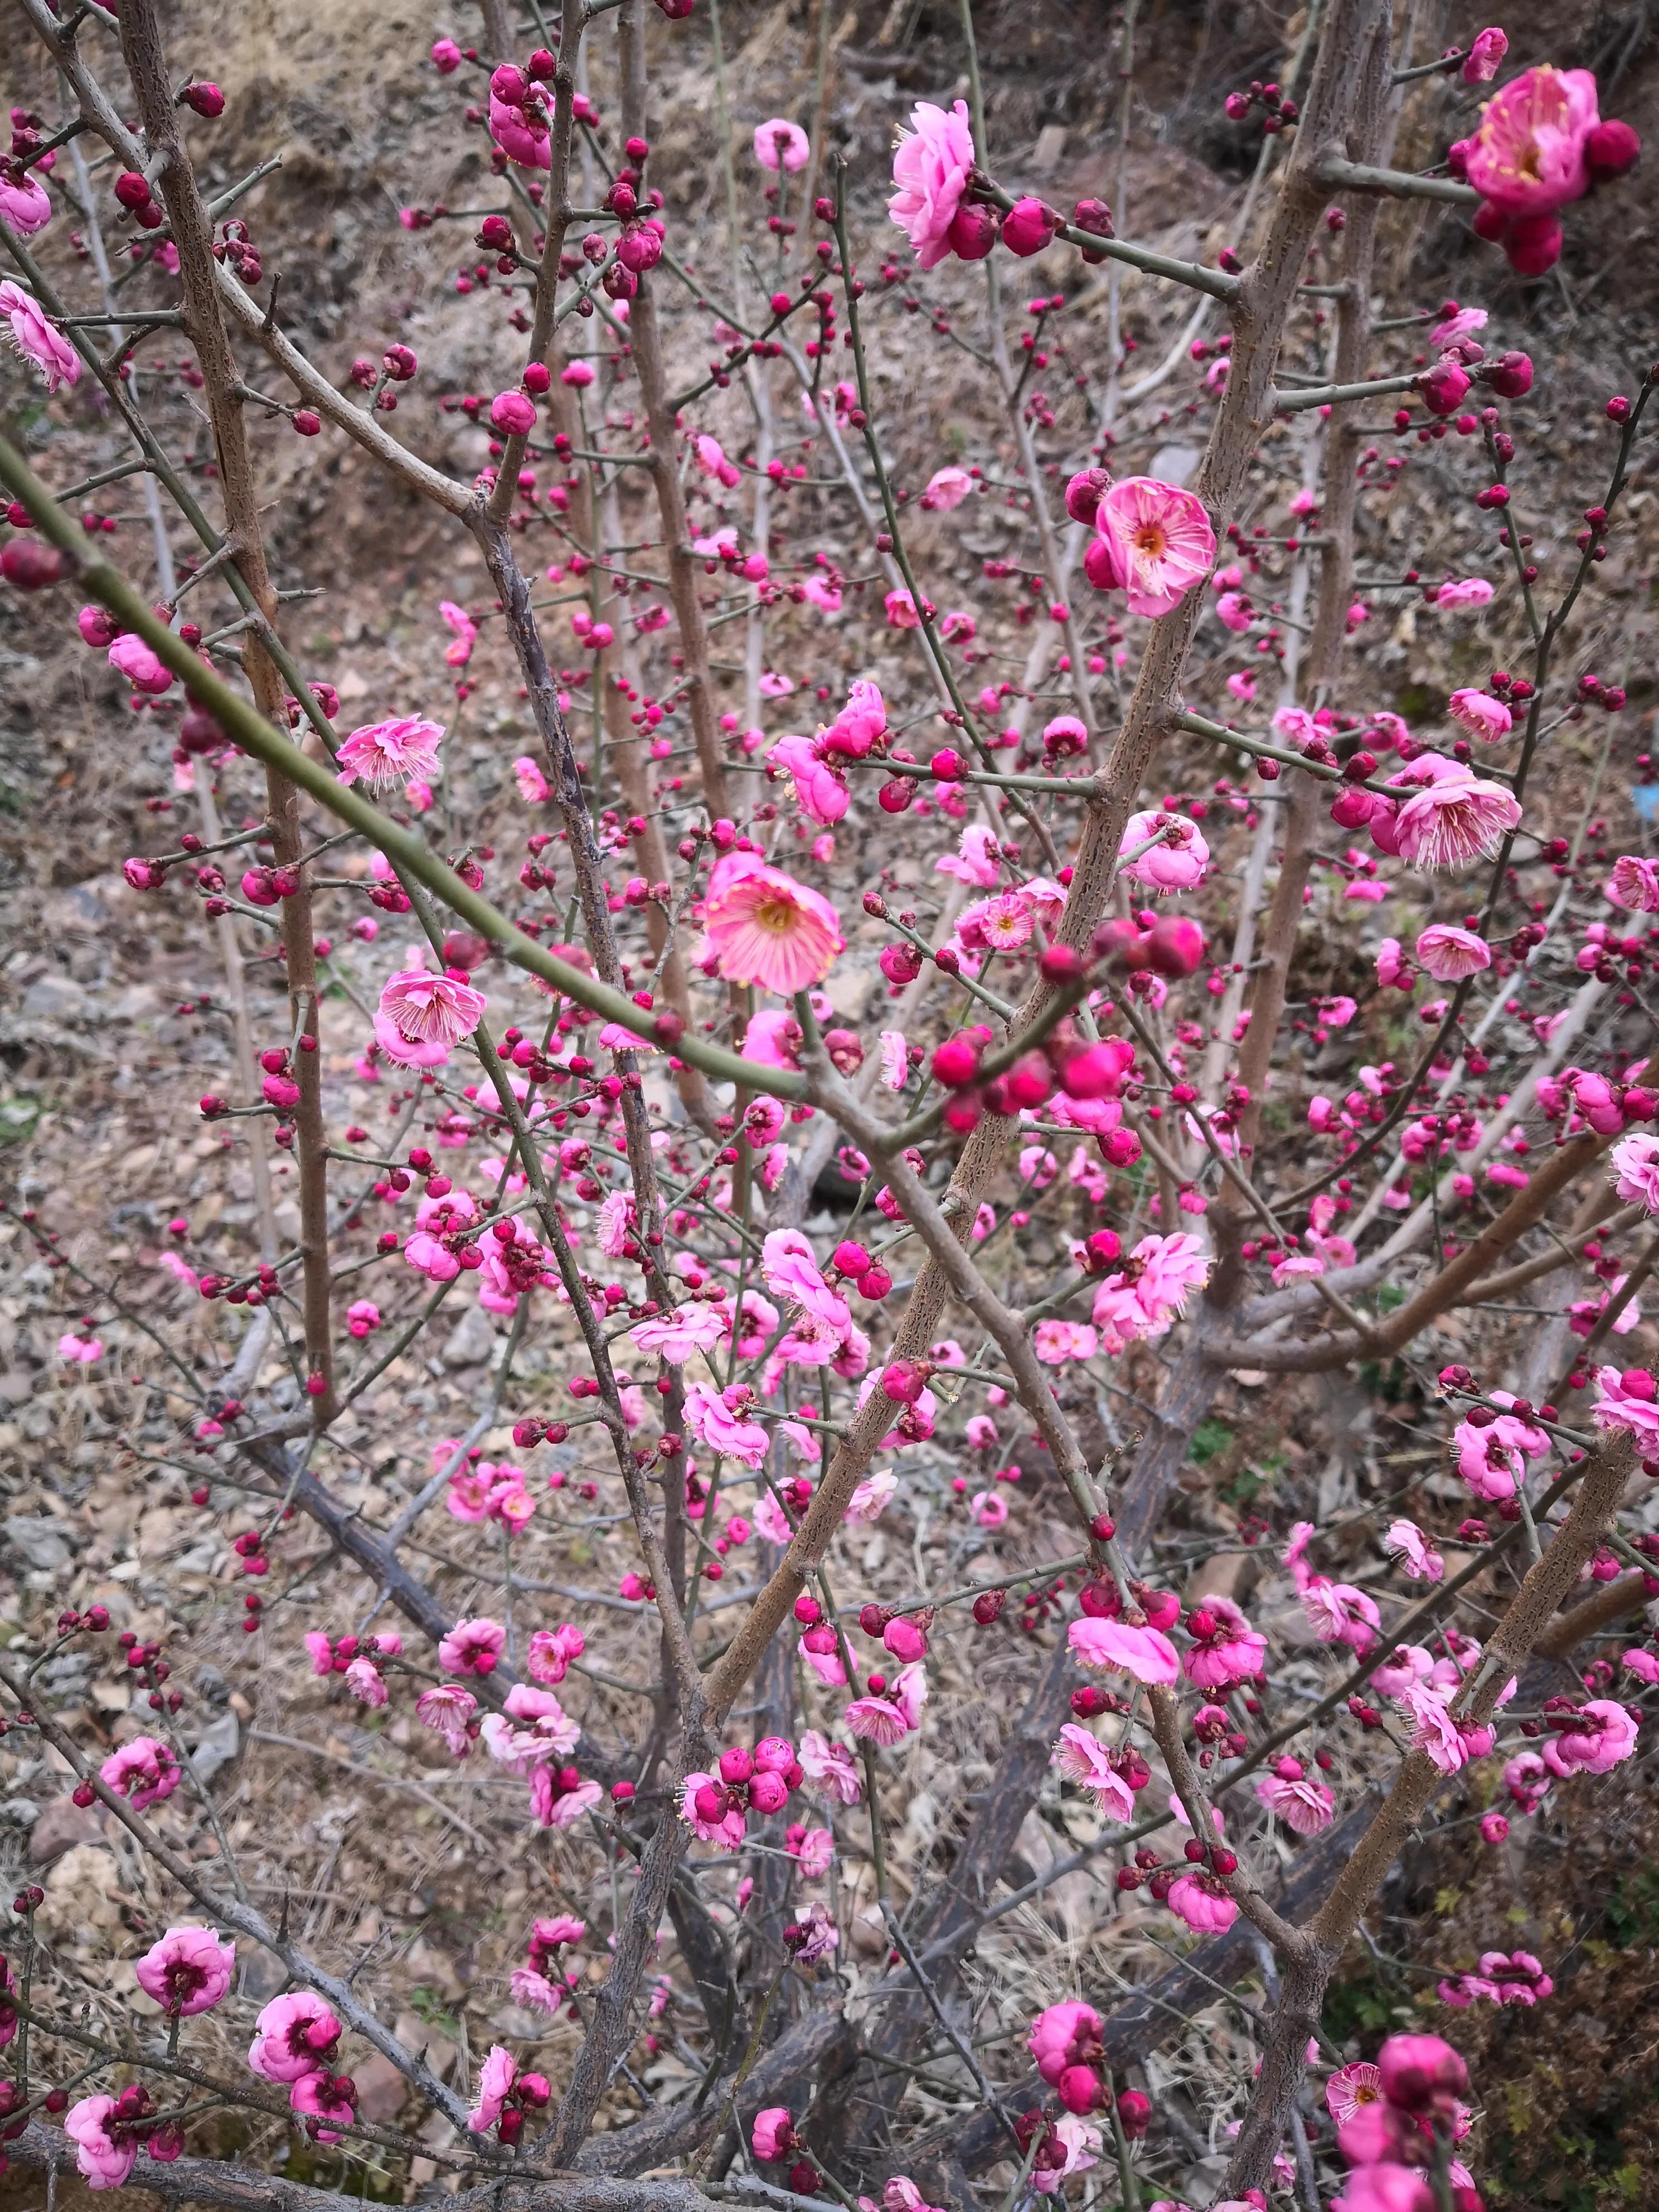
[(852, 1258), (640, 247), (1443, 387), (1510, 376), (1094, 1073), (948, 766), (29, 566), (1082, 493), (512, 413), (1135, 2112), (903, 1383), (735, 1764), (509, 84), (1175, 947), (1531, 244), (768, 1793), (1028, 227), (710, 1802), (775, 1754), (1120, 1148), (973, 232), (874, 1285), (96, 627), (1102, 565), (956, 1062), (1610, 150), (1096, 217), (206, 99), (1422, 2073), (446, 57), (1079, 2089)]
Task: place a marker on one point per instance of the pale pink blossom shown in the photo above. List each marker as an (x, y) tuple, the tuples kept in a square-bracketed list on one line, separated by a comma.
[(946, 488), (103, 2158), (365, 1680), (25, 204), (1081, 2143), (1063, 2035), (930, 169), (1450, 1743), (716, 1421), (1635, 884), (1602, 1737), (1452, 818), (1302, 1803), (820, 793), (1416, 1553), (1202, 1903), (1054, 1342), (1448, 954), (37, 339), (1467, 590), (533, 787), (765, 928), (421, 1016), (1145, 1653), (676, 1334), (1225, 1650), (778, 142), (1159, 538), (496, 2079), (1081, 1757), (895, 1060), (1175, 854), (829, 1767), (84, 1351), (144, 667), (976, 859), (187, 1971), (1636, 1163), (1481, 715), (293, 2036), (1352, 2088), (391, 752), (448, 1710)]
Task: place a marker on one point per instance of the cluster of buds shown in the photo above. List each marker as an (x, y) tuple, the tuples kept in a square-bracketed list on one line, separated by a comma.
[(868, 1276), (745, 1781), (234, 247), (132, 192), (1278, 113), (95, 1620)]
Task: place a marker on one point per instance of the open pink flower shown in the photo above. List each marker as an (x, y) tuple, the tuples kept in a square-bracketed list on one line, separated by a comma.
[(771, 2136), (495, 2078), (1448, 954), (931, 168), (390, 753), (38, 341), (946, 488), (1175, 862), (143, 1771), (1082, 1759), (1602, 1736), (1467, 590), (778, 144), (1527, 156), (1453, 818), (473, 1647), (715, 1418), (1481, 715), (458, 652), (187, 1971), (103, 2157), (1628, 1401), (1416, 1554), (1486, 51), (765, 928), (421, 1016), (1160, 539), (1635, 884), (820, 793), (1202, 1903), (1352, 2088), (1225, 1650), (293, 2036), (829, 1767), (1636, 1163), (1302, 1804), (1340, 1614), (1145, 1653), (1064, 2035), (448, 1710)]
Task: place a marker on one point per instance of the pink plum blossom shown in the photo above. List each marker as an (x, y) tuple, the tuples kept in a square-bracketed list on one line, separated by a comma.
[(765, 928), (293, 2036), (930, 169), (778, 142), (37, 339), (1082, 1759), (144, 1771), (103, 2158), (1175, 854), (1448, 954), (187, 1971), (1527, 156), (391, 752), (421, 1016), (1145, 1653), (1159, 538)]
